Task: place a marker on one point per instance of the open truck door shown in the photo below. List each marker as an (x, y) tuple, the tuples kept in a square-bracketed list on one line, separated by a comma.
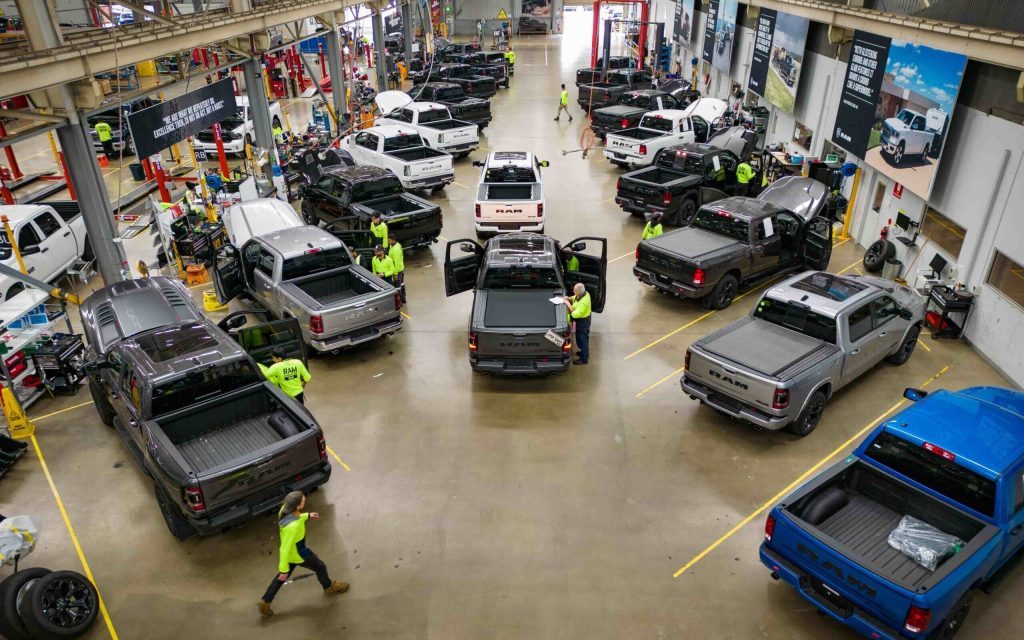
[(460, 274), (260, 340), (817, 244), (228, 279), (359, 240), (593, 269)]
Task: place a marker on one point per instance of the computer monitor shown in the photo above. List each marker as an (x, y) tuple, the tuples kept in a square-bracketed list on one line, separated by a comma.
[(938, 265), (903, 221)]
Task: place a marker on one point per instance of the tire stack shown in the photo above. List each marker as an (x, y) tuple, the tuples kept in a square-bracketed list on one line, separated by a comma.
[(39, 604)]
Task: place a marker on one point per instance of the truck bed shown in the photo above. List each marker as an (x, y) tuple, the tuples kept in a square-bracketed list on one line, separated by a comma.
[(446, 125), (510, 192), (416, 153), (333, 287), (231, 442), (779, 350), (520, 309), (656, 176), (639, 134), (395, 204)]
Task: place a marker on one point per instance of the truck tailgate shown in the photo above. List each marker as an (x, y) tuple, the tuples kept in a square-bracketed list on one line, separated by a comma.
[(362, 313)]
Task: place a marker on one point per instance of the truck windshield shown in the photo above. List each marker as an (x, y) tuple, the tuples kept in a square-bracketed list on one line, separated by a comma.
[(656, 123), (402, 141), (798, 318), (433, 115), (722, 223), (905, 116), (937, 473), (618, 78), (202, 384), (381, 187), (315, 262), (521, 277)]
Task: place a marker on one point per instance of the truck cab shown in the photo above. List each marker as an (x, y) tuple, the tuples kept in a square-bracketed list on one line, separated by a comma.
[(51, 238), (510, 196)]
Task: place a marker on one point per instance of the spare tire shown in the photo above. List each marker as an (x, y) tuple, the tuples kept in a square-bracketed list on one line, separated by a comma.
[(877, 254), (11, 626), (824, 506), (61, 604)]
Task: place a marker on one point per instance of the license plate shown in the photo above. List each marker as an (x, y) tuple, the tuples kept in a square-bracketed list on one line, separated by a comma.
[(554, 338)]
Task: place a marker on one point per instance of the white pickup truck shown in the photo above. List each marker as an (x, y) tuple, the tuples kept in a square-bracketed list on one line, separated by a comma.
[(431, 120), (50, 237), (664, 128), (510, 196), (237, 131), (401, 149), (911, 133)]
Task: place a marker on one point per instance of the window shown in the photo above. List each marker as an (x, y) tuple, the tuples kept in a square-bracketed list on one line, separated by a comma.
[(325, 183), (803, 136), (943, 232), (315, 262), (765, 229), (1008, 277), (860, 323), (197, 386), (27, 237), (884, 309), (266, 263), (47, 224), (722, 223), (876, 201), (797, 317)]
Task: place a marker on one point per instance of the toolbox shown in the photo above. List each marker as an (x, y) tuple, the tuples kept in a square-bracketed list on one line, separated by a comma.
[(59, 363)]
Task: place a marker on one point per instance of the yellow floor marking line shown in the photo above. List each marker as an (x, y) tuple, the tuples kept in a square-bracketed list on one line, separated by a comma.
[(458, 184), (622, 256), (921, 342), (845, 269), (340, 461), (71, 408), (405, 315), (781, 494)]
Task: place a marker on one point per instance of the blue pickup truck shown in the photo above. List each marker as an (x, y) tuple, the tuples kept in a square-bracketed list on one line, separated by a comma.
[(954, 460)]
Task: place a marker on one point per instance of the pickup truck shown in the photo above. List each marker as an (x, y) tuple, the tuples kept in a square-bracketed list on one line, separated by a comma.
[(677, 183), (246, 220), (590, 75), (606, 93), (221, 444), (431, 120), (514, 328), (307, 274), (51, 238), (473, 83), (805, 339), (660, 129), (936, 461), (736, 241), (401, 149), (912, 133), (121, 135), (510, 196), (347, 197), (495, 65), (238, 130), (626, 113), (462, 106)]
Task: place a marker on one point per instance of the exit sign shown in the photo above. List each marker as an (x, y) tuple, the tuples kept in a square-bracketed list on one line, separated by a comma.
[(897, 190)]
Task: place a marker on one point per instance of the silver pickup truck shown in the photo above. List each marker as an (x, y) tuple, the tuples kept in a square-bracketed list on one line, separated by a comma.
[(806, 338), (307, 274)]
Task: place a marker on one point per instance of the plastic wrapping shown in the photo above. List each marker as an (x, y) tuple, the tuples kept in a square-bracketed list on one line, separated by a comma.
[(17, 538), (924, 543)]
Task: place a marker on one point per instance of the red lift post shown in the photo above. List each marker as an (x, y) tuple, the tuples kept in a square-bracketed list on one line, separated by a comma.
[(221, 156), (645, 16), (67, 176), (16, 173)]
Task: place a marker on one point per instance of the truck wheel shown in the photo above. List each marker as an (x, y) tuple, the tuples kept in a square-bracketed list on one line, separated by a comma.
[(723, 293), (61, 604), (924, 153), (103, 407), (11, 588), (687, 210), (951, 626), (309, 217), (906, 347), (175, 523), (878, 252), (809, 417), (897, 156), (439, 187)]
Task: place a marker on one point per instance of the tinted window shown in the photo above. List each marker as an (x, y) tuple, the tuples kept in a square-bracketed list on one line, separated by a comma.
[(325, 183), (381, 187), (682, 161), (885, 309), (48, 224), (171, 344), (27, 237), (722, 223), (433, 115), (521, 278), (635, 100), (860, 322), (266, 263), (402, 141), (943, 476), (315, 262), (658, 124), (200, 385), (798, 318)]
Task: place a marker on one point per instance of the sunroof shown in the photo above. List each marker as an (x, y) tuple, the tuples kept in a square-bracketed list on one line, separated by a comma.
[(175, 343), (829, 286)]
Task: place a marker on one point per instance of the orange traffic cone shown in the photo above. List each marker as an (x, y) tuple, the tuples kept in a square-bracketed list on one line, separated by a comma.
[(104, 161)]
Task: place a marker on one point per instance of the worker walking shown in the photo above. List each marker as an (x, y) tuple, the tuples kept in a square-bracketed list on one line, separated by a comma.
[(398, 259), (289, 374), (383, 266), (744, 174), (579, 311), (510, 58), (291, 524), (106, 139), (572, 263), (653, 227), (563, 104), (379, 228)]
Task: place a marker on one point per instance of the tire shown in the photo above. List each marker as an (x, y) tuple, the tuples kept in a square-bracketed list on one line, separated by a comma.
[(11, 625), (180, 529), (308, 217), (906, 348), (723, 293), (824, 506), (809, 417), (687, 210), (439, 187), (951, 626), (877, 254), (61, 604), (924, 152), (103, 408), (897, 157)]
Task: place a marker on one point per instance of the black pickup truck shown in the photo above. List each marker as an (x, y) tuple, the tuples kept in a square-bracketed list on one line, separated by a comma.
[(605, 94), (474, 84), (347, 197), (493, 63), (626, 113), (452, 95), (740, 240), (514, 328), (220, 443), (678, 182), (591, 75)]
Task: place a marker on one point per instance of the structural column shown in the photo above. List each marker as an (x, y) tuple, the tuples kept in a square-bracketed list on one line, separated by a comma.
[(378, 44), (259, 105), (334, 69), (407, 30)]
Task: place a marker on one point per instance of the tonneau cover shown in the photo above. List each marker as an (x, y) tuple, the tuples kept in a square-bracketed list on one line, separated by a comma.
[(691, 242), (763, 347), (528, 309)]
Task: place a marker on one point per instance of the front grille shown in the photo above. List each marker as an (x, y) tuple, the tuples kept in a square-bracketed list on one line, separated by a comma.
[(205, 136)]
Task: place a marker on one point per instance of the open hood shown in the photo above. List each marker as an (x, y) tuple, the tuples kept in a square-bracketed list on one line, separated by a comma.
[(389, 101), (739, 140), (710, 109)]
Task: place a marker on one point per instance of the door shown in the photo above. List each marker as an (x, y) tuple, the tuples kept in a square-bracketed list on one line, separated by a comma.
[(324, 202), (860, 336), (360, 241), (593, 269), (701, 129), (58, 244), (766, 245), (228, 281), (262, 339), (460, 274), (888, 327), (816, 248), (1015, 541)]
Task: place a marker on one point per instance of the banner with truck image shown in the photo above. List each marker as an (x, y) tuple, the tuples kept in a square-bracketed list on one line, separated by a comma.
[(683, 30), (779, 43), (896, 105)]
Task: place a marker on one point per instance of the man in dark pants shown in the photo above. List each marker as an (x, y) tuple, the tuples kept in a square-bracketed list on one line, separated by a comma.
[(294, 552), (579, 312)]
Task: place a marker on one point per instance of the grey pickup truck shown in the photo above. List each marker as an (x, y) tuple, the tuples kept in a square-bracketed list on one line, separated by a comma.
[(220, 443), (514, 328), (736, 241), (308, 274), (806, 338)]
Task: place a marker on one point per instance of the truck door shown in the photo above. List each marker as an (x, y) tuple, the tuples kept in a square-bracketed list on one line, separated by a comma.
[(593, 269), (322, 203), (816, 245), (228, 280), (766, 245), (460, 274), (358, 240), (262, 339), (860, 337), (1015, 523), (888, 330), (58, 245)]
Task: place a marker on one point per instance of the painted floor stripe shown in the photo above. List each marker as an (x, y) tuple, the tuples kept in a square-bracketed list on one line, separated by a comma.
[(340, 461)]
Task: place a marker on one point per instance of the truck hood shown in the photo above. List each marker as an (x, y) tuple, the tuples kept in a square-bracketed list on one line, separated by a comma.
[(896, 124), (693, 244), (389, 101)]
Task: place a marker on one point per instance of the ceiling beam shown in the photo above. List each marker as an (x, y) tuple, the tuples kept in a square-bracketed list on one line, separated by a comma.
[(31, 115)]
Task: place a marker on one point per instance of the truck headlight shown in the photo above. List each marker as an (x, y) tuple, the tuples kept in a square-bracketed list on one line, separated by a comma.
[(407, 171), (440, 138)]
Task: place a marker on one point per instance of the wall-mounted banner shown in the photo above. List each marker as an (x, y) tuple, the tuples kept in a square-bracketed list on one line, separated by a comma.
[(683, 31), (895, 109), (709, 32), (167, 123), (725, 34), (779, 44)]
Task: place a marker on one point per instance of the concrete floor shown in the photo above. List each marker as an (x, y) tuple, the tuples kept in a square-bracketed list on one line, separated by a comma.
[(476, 507)]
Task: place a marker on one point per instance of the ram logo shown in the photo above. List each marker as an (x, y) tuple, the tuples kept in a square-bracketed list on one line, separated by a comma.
[(511, 211), (729, 380)]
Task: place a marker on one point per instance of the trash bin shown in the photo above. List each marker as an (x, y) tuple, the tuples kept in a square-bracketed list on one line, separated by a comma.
[(138, 173), (892, 269)]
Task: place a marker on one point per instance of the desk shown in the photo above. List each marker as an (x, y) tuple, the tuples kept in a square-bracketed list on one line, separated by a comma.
[(785, 167)]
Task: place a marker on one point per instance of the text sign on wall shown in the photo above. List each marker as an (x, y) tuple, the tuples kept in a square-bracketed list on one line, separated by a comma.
[(167, 123), (861, 89), (762, 51), (709, 32)]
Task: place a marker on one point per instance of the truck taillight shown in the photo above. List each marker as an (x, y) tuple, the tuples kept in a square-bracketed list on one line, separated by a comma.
[(780, 400), (698, 277), (686, 361), (540, 210), (666, 198), (566, 342), (769, 528), (194, 498), (618, 184), (316, 324), (472, 342), (643, 149), (625, 123), (917, 619), (398, 301), (321, 445), (478, 214), (636, 254)]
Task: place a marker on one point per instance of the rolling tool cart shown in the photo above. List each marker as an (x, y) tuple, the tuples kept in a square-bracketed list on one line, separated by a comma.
[(59, 363), (948, 311)]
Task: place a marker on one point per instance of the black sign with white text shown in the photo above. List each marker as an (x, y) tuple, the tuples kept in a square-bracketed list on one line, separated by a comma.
[(861, 92), (167, 123), (709, 31), (762, 51)]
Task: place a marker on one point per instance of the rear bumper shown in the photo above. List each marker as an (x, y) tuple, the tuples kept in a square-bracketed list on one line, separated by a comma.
[(429, 182), (357, 336), (713, 399), (858, 620), (465, 147), (669, 285), (235, 146), (622, 156), (417, 239), (520, 366), (632, 206), (534, 224)]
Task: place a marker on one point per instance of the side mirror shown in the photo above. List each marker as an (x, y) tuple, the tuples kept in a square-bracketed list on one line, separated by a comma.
[(906, 314), (236, 322), (477, 163), (544, 163), (467, 247), (914, 394), (579, 246), (94, 366), (30, 250)]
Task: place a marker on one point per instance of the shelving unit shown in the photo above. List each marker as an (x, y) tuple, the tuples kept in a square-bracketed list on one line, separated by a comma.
[(20, 327)]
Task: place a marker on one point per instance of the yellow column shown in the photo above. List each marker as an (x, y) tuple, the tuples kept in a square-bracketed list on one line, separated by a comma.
[(53, 148), (211, 211), (848, 217), (14, 244)]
